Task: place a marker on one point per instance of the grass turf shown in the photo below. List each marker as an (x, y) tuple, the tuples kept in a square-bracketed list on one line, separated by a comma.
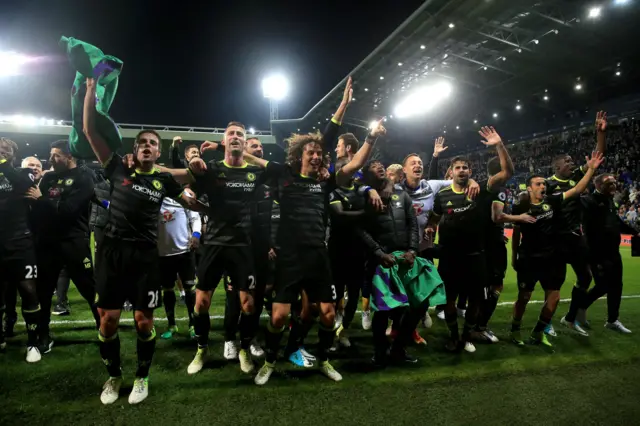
[(590, 380)]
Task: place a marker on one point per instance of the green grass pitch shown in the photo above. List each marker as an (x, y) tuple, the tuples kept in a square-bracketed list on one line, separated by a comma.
[(592, 380)]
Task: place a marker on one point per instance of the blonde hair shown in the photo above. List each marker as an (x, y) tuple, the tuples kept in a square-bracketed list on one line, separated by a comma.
[(394, 168)]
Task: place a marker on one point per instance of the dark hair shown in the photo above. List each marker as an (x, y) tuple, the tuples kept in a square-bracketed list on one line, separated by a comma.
[(367, 176), (188, 147), (557, 159), (413, 154), (253, 138), (150, 131), (10, 143), (235, 123), (493, 166), (350, 141), (62, 145), (340, 163), (460, 159), (601, 177), (297, 142), (532, 177)]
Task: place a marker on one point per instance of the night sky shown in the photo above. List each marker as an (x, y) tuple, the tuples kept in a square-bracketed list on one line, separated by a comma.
[(194, 63)]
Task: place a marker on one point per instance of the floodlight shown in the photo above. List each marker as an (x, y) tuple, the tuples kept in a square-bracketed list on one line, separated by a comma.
[(422, 46), (251, 130), (518, 107), (366, 90), (457, 127), (618, 73), (275, 87), (578, 87), (519, 50), (495, 115), (11, 63), (546, 98), (475, 121), (423, 99), (620, 2), (536, 41), (451, 25), (484, 68), (399, 64), (594, 12), (381, 78)]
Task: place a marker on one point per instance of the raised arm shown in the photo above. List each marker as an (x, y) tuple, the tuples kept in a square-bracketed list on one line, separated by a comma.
[(601, 131), (438, 148), (99, 145), (592, 163), (492, 138), (360, 158), (330, 133), (174, 153)]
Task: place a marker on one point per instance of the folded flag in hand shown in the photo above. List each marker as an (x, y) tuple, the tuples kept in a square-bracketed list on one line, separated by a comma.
[(90, 62)]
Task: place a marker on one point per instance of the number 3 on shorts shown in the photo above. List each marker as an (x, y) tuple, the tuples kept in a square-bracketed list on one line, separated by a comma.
[(334, 295), (30, 272), (154, 299)]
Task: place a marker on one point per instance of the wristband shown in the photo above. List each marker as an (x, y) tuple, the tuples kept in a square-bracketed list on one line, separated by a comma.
[(370, 139), (105, 203), (367, 189), (196, 235)]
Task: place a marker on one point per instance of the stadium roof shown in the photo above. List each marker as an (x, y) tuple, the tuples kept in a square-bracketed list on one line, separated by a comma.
[(497, 54)]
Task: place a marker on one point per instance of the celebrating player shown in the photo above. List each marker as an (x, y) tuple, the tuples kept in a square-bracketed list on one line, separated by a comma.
[(539, 257), (128, 256)]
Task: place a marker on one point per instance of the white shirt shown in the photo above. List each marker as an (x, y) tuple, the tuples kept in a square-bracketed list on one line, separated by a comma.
[(422, 198), (175, 226)]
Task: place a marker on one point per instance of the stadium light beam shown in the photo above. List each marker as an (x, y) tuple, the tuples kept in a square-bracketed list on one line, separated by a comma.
[(595, 12), (620, 2), (423, 100), (275, 87), (11, 63)]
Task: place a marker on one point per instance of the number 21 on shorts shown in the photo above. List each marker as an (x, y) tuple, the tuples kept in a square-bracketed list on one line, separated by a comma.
[(153, 302)]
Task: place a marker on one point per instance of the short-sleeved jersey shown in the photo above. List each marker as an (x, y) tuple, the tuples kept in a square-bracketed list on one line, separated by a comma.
[(63, 211), (495, 231), (343, 228), (571, 217), (463, 223), (14, 208), (540, 239), (304, 205), (230, 191), (136, 197)]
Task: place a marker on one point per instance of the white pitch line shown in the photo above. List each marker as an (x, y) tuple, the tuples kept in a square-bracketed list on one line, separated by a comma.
[(130, 320)]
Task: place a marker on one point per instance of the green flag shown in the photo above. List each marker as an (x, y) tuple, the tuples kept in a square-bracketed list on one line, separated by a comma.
[(90, 62), (400, 285)]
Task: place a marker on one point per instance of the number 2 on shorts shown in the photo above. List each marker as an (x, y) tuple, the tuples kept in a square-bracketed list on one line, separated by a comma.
[(154, 299), (31, 272)]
